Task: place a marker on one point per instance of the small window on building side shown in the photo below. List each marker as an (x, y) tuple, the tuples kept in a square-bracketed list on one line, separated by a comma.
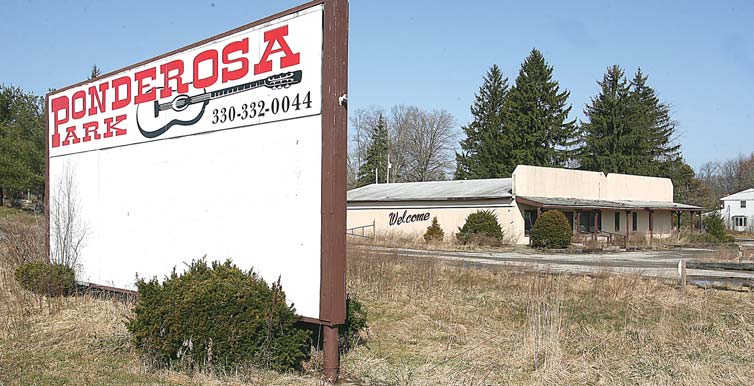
[(635, 221), (617, 221), (743, 204), (530, 217), (599, 221)]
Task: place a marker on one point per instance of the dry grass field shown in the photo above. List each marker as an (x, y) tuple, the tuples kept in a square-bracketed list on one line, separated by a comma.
[(431, 323), (434, 323)]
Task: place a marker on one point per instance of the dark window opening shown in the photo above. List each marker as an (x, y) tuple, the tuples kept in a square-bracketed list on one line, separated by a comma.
[(530, 217), (586, 222), (634, 221), (743, 204), (617, 221)]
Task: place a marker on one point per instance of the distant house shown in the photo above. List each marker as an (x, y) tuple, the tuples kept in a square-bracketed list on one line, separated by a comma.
[(738, 210)]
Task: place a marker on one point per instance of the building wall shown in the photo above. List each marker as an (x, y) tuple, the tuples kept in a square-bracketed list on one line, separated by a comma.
[(663, 222), (732, 208), (450, 214), (533, 181)]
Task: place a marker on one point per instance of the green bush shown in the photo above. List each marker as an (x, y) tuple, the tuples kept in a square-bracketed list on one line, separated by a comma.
[(356, 323), (434, 232), (46, 279), (714, 225), (216, 317), (480, 226), (551, 230)]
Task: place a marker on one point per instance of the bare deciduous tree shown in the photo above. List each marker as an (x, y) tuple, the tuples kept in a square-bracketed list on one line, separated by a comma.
[(421, 142), (427, 149), (729, 176), (67, 228)]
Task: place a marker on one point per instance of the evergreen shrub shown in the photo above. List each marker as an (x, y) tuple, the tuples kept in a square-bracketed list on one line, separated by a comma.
[(714, 225), (217, 317), (434, 232), (356, 324), (551, 230), (481, 227), (46, 279)]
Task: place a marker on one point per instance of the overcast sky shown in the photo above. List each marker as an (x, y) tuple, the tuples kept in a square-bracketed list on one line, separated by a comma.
[(699, 55)]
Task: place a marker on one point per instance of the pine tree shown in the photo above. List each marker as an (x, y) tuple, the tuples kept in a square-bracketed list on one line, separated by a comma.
[(605, 139), (538, 115), (652, 129), (631, 131), (487, 147), (96, 71), (376, 156)]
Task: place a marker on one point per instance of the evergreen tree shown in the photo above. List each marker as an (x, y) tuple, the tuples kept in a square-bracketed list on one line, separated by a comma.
[(630, 131), (652, 129), (538, 115), (22, 141), (376, 156), (485, 152), (605, 139), (96, 71)]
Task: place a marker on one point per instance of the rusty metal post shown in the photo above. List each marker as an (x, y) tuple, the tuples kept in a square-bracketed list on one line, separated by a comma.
[(331, 360)]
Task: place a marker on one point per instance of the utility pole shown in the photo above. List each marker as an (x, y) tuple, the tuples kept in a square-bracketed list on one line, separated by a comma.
[(389, 165), (376, 175)]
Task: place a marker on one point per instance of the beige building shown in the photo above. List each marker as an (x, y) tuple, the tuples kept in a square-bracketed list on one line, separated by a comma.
[(597, 205)]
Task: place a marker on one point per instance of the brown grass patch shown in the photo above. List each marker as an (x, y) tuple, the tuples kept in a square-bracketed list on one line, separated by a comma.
[(437, 323)]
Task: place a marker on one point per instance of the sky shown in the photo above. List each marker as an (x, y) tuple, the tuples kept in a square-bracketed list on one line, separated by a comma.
[(699, 55)]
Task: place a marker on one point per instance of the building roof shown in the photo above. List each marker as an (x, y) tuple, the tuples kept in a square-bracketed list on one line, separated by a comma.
[(434, 190), (747, 194), (578, 203)]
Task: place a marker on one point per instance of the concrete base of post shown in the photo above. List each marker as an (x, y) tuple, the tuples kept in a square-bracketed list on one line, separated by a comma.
[(331, 358)]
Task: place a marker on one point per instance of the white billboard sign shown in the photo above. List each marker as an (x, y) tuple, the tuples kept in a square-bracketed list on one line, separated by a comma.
[(215, 150)]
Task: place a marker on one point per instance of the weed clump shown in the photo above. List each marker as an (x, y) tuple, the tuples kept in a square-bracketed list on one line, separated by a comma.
[(434, 232), (551, 230), (46, 279), (217, 317)]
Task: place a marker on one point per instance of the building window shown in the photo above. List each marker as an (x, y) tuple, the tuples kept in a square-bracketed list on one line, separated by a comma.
[(634, 221), (530, 217), (617, 221), (743, 204), (739, 221)]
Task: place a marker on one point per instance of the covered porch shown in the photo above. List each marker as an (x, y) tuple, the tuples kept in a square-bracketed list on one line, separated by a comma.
[(613, 218)]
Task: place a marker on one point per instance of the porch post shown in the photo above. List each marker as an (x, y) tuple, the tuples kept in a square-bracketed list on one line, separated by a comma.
[(651, 226), (628, 214), (578, 222), (594, 232)]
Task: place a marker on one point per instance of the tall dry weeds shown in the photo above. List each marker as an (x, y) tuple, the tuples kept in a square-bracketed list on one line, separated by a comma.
[(446, 323)]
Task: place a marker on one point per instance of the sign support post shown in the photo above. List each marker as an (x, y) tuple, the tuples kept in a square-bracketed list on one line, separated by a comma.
[(334, 140)]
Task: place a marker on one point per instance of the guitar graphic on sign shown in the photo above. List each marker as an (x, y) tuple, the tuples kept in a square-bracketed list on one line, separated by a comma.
[(185, 110)]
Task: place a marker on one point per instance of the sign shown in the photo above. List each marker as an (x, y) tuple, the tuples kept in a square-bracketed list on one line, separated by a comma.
[(233, 147), (395, 218)]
